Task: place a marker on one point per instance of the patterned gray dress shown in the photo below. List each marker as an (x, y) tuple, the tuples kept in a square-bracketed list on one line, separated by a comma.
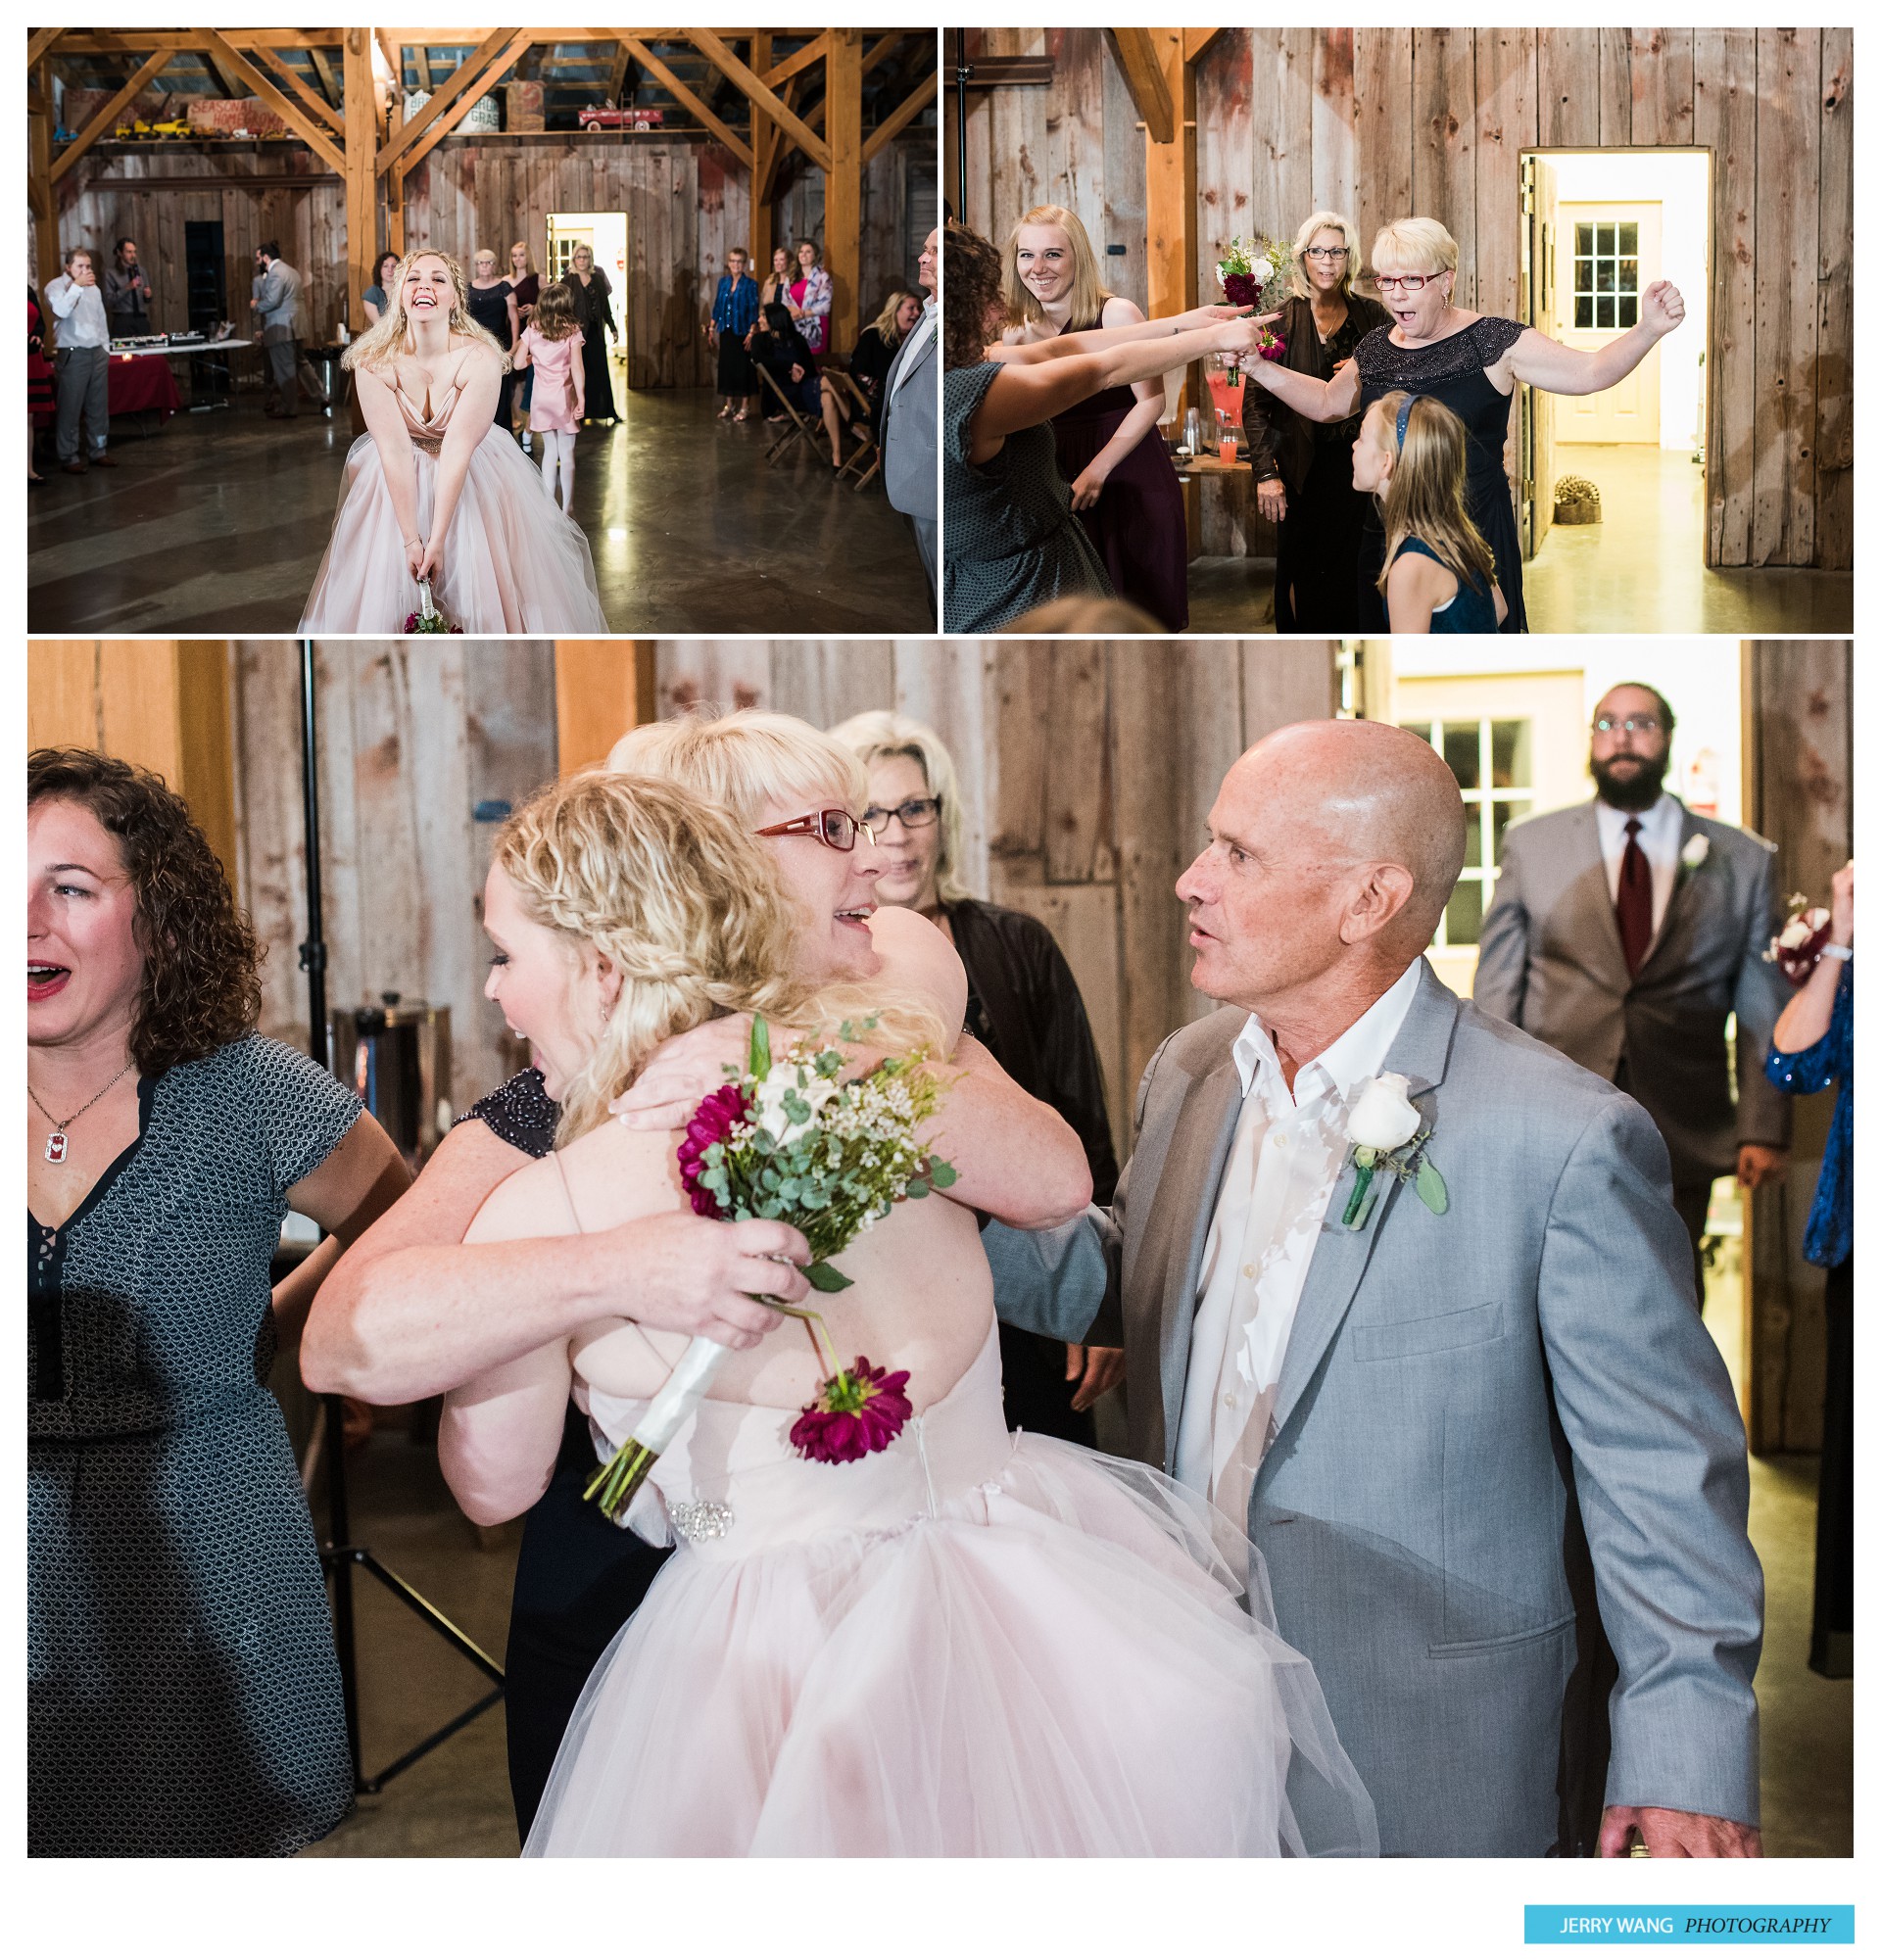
[(183, 1695), (1012, 542)]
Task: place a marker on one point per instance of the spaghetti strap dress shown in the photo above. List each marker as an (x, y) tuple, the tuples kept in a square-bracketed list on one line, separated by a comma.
[(1451, 371), (512, 562)]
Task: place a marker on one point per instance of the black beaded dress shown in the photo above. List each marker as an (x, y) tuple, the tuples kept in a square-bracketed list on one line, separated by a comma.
[(1013, 541), (1453, 371), (183, 1695), (489, 306), (579, 1579)]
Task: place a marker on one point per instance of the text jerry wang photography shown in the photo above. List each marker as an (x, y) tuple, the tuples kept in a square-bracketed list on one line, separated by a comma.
[(1311, 1176)]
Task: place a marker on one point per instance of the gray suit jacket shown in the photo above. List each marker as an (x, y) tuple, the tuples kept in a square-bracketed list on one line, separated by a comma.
[(1551, 962), (1485, 1420), (910, 430), (278, 289)]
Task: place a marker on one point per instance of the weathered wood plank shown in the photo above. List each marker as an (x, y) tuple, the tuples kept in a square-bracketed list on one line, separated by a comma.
[(826, 681), (1663, 82), (1149, 854), (949, 684), (1074, 789), (1567, 86), (1334, 132), (1021, 722), (1444, 164), (1724, 118), (1381, 86), (1788, 135), (1835, 325)]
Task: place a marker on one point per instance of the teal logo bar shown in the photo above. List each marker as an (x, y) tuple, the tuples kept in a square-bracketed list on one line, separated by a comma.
[(1688, 1925)]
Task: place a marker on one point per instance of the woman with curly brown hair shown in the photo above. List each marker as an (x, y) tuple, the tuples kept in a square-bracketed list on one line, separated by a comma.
[(183, 1697), (1013, 541)]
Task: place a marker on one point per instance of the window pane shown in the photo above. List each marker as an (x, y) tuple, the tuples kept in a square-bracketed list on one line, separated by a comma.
[(1462, 749), (1604, 311), (1583, 275), (1629, 310), (1508, 763), (1421, 729), (1506, 811), (1583, 239), (1583, 311), (1472, 839), (1463, 916), (1629, 238), (1629, 276), (1603, 276), (1604, 240)]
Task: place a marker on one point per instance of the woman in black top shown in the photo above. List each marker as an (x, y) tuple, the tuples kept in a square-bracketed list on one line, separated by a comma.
[(183, 1696), (1303, 469), (1021, 1003), (491, 302), (588, 285), (869, 364)]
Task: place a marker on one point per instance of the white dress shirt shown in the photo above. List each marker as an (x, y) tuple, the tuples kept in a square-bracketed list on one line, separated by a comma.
[(924, 332), (1288, 1151), (81, 312), (1661, 830)]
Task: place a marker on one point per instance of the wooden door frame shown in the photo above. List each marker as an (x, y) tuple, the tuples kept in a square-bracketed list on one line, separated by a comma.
[(1709, 151)]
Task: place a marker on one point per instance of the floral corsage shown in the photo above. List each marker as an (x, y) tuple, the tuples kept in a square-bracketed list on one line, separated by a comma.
[(1388, 1133)]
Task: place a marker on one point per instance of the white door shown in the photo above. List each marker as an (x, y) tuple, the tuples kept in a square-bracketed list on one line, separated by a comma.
[(1606, 256)]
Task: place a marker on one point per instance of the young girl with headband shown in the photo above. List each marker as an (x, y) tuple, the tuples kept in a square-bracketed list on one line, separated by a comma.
[(1439, 574)]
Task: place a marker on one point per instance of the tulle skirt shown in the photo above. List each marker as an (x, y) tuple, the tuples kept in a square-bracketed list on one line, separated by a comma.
[(512, 562), (1054, 1660)]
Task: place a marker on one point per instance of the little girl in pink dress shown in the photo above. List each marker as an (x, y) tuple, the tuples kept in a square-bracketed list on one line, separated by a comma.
[(551, 344)]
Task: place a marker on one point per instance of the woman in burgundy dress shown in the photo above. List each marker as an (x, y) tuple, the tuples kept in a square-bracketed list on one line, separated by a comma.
[(1122, 485)]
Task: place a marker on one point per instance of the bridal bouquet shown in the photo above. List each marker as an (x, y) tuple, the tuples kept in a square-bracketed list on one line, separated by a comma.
[(1255, 275), (788, 1139), (427, 618), (1799, 946)]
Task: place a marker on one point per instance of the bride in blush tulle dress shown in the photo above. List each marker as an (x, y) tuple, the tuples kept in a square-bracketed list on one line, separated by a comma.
[(434, 490), (971, 1642)]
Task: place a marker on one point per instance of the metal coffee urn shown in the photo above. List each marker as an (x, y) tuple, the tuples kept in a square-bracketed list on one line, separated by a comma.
[(397, 1058)]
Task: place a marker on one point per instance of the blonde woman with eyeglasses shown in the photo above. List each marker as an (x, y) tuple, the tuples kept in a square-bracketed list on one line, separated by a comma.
[(1470, 362), (436, 494), (1303, 469)]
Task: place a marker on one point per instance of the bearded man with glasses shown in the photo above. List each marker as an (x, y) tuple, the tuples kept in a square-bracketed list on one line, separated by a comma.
[(1625, 932)]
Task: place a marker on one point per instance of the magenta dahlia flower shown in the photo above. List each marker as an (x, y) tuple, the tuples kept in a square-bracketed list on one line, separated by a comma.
[(857, 1411), (1273, 346), (713, 1123)]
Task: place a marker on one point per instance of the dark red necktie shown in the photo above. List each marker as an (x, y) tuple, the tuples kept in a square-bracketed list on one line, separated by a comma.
[(1634, 905)]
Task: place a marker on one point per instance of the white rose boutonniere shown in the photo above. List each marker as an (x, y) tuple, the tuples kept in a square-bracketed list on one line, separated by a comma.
[(1697, 850), (1388, 1133)]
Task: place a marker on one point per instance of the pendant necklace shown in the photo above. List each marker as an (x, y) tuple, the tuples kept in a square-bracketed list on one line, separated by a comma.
[(58, 1142)]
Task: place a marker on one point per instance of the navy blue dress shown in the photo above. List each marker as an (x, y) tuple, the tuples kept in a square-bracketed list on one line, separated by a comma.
[(1472, 610), (183, 1695)]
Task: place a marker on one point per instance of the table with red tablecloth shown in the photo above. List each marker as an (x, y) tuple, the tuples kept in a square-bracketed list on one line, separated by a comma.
[(140, 384)]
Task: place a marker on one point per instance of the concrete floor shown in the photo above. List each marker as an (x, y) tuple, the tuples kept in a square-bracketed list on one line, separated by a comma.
[(216, 522), (1640, 570), (455, 1803)]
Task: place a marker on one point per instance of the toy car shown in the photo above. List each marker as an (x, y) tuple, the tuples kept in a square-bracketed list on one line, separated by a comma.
[(604, 115)]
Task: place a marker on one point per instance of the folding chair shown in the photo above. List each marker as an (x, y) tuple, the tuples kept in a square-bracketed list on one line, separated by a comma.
[(862, 429), (799, 428)]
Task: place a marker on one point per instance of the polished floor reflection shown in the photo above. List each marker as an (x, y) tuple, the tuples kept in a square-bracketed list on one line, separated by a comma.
[(216, 523)]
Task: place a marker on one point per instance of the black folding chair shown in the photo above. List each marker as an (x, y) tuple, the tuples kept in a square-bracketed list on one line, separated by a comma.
[(797, 426)]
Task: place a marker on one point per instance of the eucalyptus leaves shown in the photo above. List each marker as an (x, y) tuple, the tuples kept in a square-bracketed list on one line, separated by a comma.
[(1388, 1133)]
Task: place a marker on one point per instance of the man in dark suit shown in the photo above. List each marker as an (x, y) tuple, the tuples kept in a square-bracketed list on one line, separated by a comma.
[(1625, 932)]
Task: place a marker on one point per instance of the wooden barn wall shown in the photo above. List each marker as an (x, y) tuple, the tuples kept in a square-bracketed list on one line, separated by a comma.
[(411, 741), (686, 204), (292, 200), (1068, 753), (1799, 793), (1379, 121)]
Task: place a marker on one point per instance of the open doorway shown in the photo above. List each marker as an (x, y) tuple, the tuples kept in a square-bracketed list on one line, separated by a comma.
[(1599, 227), (605, 233)]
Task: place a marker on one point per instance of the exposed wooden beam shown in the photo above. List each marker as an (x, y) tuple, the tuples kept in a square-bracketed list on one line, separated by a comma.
[(1196, 39), (423, 56), (714, 49), (1143, 76), (362, 179), (106, 120), (617, 75), (1170, 190), (885, 133), (764, 144), (805, 57), (657, 68), (882, 49), (322, 69), (315, 105), (186, 40), (394, 176), (40, 43), (501, 46), (304, 126), (843, 187), (394, 51), (442, 125)]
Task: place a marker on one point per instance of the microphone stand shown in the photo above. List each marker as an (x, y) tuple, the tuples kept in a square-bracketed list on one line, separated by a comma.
[(339, 1555)]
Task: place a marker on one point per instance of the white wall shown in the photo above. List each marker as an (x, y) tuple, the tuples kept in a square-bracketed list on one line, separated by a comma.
[(1681, 185)]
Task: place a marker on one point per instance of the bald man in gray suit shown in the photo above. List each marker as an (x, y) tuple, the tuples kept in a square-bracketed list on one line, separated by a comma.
[(1464, 1426)]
